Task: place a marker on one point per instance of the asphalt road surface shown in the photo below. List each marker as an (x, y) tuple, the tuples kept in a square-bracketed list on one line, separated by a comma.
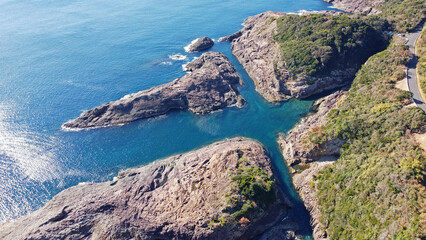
[(413, 86)]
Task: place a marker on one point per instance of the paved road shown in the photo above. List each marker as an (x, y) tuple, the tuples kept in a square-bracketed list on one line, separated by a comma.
[(411, 72)]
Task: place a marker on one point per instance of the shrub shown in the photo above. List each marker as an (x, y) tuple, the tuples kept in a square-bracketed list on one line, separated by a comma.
[(316, 44), (376, 188)]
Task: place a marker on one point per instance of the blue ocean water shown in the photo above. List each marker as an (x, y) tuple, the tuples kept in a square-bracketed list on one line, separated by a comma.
[(58, 58)]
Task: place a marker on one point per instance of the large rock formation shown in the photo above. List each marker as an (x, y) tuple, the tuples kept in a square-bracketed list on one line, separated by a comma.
[(200, 44), (296, 147), (300, 153), (188, 196), (209, 86), (305, 184), (357, 6), (261, 56)]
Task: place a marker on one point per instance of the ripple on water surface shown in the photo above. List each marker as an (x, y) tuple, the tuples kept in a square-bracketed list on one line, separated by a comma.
[(59, 57)]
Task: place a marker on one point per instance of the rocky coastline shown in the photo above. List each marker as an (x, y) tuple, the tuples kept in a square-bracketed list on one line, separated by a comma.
[(357, 6), (258, 52), (211, 84), (295, 145), (185, 196), (300, 153)]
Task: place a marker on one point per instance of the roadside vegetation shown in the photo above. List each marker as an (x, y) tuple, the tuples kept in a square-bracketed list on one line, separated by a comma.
[(404, 15), (317, 44), (421, 65), (376, 189)]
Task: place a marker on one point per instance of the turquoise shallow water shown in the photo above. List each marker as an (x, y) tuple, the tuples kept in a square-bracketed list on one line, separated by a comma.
[(58, 58)]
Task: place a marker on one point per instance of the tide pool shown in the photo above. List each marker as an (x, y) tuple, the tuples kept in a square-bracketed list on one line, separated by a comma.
[(59, 58)]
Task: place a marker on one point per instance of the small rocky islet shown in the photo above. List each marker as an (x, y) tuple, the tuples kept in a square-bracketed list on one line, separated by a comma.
[(200, 44)]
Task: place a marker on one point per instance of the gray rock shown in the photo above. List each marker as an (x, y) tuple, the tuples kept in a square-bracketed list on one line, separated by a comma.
[(200, 44), (261, 57), (230, 37), (173, 198), (210, 85)]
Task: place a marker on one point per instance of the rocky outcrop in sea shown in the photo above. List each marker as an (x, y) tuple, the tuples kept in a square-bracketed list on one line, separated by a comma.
[(188, 196), (260, 55), (210, 85), (200, 44)]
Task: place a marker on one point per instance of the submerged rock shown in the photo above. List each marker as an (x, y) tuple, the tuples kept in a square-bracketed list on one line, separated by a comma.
[(188, 196), (200, 44), (210, 85)]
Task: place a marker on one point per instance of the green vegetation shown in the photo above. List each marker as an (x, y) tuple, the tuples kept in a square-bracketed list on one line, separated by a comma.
[(421, 65), (404, 15), (254, 191), (317, 44), (376, 189)]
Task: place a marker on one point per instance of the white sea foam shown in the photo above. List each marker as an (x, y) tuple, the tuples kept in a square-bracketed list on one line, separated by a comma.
[(84, 183), (127, 96), (184, 67), (166, 63), (303, 12), (189, 45), (178, 57)]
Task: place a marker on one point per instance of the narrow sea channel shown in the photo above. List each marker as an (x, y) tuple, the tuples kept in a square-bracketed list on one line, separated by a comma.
[(59, 58)]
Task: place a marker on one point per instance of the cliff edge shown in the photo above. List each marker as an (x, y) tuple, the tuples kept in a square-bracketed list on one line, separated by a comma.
[(210, 85), (289, 55), (225, 190)]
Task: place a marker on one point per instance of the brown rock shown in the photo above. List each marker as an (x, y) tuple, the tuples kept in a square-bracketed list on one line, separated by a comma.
[(173, 198), (209, 86), (304, 184), (357, 6), (260, 56), (297, 148)]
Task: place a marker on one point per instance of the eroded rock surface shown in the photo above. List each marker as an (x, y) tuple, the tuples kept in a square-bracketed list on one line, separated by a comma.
[(357, 6), (260, 55), (180, 197), (200, 44), (296, 147), (210, 85), (304, 184), (300, 153)]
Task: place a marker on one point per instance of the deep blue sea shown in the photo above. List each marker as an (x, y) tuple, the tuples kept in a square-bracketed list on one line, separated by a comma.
[(58, 58)]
